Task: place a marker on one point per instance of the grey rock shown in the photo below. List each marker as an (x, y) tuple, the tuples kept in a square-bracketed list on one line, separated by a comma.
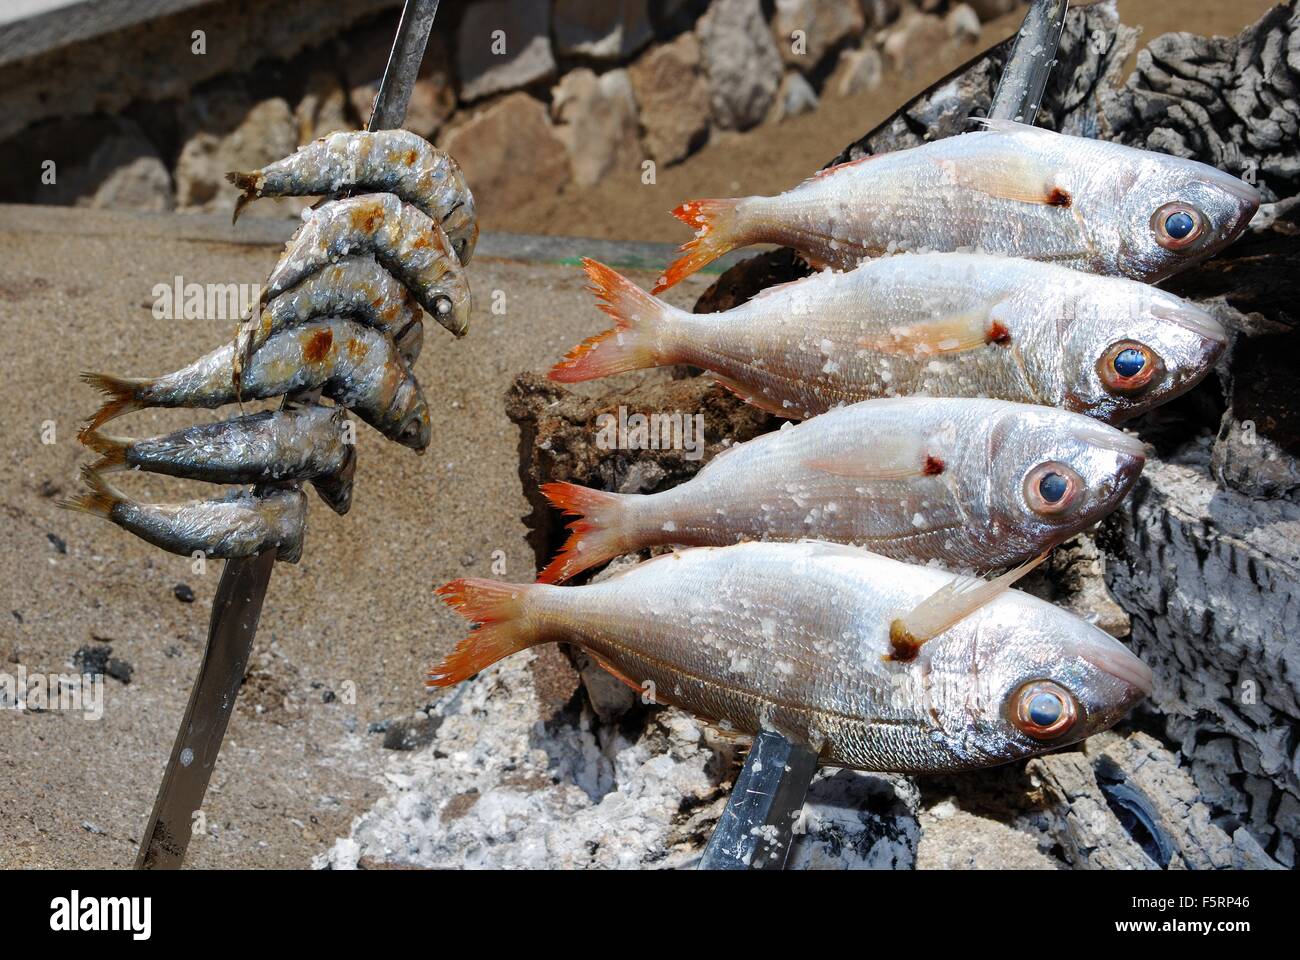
[(914, 39), (822, 25), (596, 119), (858, 71), (672, 97), (796, 96), (513, 152), (601, 29), (518, 28), (856, 821), (992, 9), (741, 62), (230, 132), (963, 23)]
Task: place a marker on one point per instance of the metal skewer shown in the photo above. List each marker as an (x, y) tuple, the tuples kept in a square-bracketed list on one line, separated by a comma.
[(755, 829), (237, 604)]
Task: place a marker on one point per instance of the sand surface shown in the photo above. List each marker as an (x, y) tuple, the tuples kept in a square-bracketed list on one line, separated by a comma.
[(357, 614)]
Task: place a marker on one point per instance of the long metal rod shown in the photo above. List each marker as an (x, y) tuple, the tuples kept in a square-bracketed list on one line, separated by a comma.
[(237, 605), (1024, 78), (755, 830)]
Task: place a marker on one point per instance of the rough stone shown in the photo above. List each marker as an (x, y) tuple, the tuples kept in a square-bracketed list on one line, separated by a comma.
[(672, 96), (796, 96), (596, 119), (825, 25), (325, 107), (963, 24), (956, 839), (601, 29), (992, 9), (504, 140), (913, 40), (232, 134), (858, 71), (741, 62), (520, 29)]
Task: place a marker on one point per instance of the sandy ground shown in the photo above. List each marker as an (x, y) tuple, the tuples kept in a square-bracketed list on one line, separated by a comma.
[(357, 612), (358, 609)]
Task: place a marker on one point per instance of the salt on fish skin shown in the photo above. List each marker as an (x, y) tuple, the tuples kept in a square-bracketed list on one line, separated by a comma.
[(404, 240), (307, 443), (357, 288), (748, 635), (913, 478), (933, 324), (383, 161), (356, 366), (1012, 189), (239, 524)]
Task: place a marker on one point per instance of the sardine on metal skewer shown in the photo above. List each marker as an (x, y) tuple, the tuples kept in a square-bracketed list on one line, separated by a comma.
[(970, 483), (404, 241), (356, 366), (237, 525), (384, 161), (796, 638), (1011, 189), (298, 443), (936, 324), (357, 288)]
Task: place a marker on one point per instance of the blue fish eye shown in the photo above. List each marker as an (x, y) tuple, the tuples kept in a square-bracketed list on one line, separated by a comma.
[(1179, 224), (1045, 709), (1129, 362), (1053, 487)]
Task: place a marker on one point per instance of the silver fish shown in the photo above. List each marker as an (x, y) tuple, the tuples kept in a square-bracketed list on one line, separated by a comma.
[(971, 483), (356, 366), (798, 638), (357, 288), (297, 443), (937, 324), (383, 161), (237, 525), (1012, 189), (405, 242)]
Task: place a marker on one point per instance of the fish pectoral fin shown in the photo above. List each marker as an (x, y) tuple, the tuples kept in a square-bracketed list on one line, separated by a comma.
[(622, 677), (1012, 177), (954, 333), (754, 398), (866, 463), (954, 601)]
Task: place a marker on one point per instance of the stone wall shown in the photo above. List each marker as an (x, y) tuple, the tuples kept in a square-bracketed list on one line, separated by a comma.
[(529, 94)]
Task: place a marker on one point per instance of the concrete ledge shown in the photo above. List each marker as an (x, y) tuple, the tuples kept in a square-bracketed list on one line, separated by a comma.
[(29, 28)]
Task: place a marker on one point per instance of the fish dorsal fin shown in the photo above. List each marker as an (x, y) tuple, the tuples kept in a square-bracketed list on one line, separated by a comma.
[(954, 601), (841, 167), (955, 333)]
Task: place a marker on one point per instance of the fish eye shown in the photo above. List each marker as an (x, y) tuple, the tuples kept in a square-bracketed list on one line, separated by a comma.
[(1177, 225), (442, 306), (1128, 366), (1045, 710), (1052, 488)]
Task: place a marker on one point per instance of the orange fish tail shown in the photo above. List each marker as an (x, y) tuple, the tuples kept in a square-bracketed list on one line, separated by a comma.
[(122, 394), (250, 183), (594, 538), (717, 231), (497, 610), (111, 450), (631, 345), (98, 501)]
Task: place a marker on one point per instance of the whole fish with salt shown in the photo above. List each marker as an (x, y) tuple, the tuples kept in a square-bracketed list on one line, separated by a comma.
[(312, 442), (1010, 189), (875, 664), (384, 161), (239, 524), (404, 240), (357, 288), (969, 483), (937, 324), (356, 366)]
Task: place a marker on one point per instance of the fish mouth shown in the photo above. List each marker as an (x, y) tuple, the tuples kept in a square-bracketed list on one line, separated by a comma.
[(1191, 317), (1247, 197), (1126, 445), (1126, 668)]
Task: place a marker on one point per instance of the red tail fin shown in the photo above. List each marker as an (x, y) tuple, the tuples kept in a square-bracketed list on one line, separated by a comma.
[(497, 611), (717, 231), (595, 537), (630, 345)]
